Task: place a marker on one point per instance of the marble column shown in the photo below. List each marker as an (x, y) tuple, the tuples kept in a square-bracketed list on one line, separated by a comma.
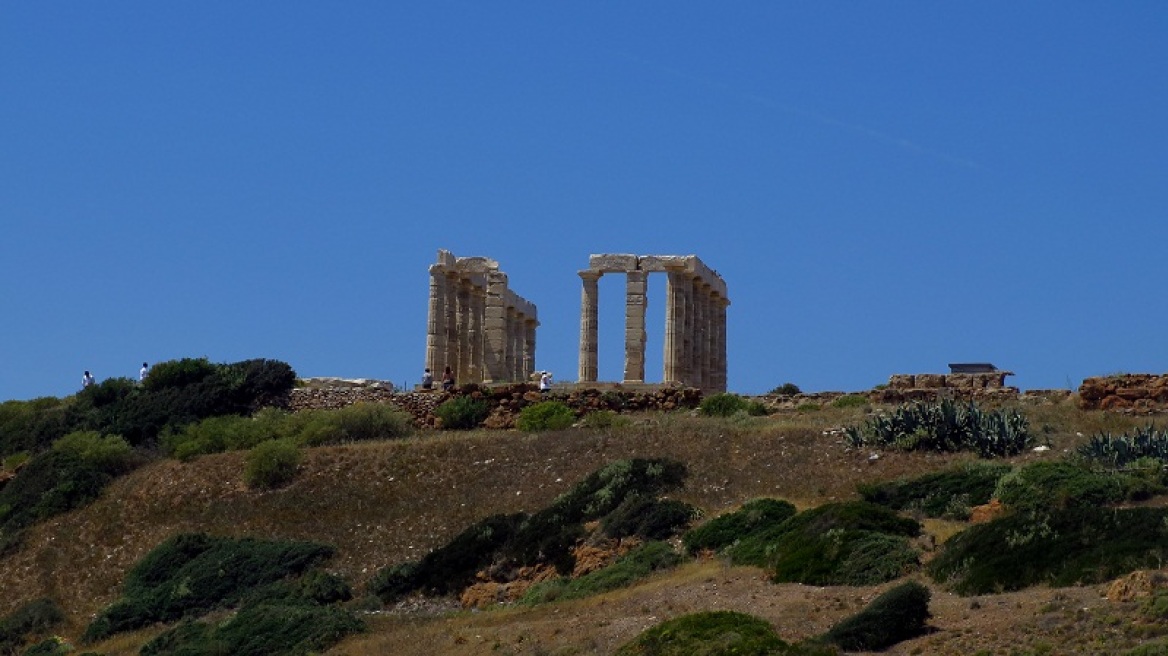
[(435, 318), (474, 373), (529, 349), (462, 329), (674, 356), (635, 301), (495, 329), (589, 326), (696, 334), (722, 379)]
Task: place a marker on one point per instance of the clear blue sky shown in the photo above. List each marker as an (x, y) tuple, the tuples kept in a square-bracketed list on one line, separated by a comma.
[(886, 187)]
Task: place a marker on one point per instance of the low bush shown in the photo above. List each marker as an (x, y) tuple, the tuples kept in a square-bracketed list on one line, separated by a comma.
[(852, 543), (271, 464), (625, 571), (54, 646), (296, 630), (546, 415), (727, 529), (450, 567), (786, 389), (31, 426), (722, 404), (462, 413), (716, 633), (895, 616), (191, 574), (108, 453), (950, 493), (51, 483), (648, 518), (604, 419), (354, 423), (29, 619), (508, 542), (1078, 545), (945, 426), (178, 373), (1062, 484), (850, 401)]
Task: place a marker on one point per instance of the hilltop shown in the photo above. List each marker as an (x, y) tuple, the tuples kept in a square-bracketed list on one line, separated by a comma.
[(390, 501)]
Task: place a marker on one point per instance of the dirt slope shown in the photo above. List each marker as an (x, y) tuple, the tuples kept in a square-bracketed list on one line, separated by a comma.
[(387, 502)]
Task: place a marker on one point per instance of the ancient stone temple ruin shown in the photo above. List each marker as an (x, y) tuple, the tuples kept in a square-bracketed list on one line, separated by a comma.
[(695, 319), (476, 325)]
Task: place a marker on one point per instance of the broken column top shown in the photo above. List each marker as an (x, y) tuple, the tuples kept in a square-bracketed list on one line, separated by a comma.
[(625, 262)]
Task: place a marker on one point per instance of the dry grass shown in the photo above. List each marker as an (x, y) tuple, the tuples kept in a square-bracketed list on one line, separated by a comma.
[(388, 502)]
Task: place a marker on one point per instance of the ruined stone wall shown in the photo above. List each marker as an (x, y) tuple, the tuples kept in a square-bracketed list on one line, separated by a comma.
[(930, 387), (506, 401), (1135, 393)]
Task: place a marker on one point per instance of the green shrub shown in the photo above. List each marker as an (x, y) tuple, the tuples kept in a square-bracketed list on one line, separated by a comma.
[(191, 574), (50, 484), (178, 373), (945, 426), (462, 413), (852, 543), (1045, 485), (896, 615), (16, 460), (625, 571), (546, 415), (545, 537), (850, 401), (652, 519), (108, 453), (355, 423), (711, 633), (54, 646), (30, 426), (32, 618), (604, 419), (296, 630), (722, 404), (950, 493), (809, 406), (271, 464), (1078, 545), (786, 389), (757, 409), (727, 529), (451, 567)]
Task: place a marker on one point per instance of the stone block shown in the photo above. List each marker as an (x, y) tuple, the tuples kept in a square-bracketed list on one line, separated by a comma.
[(960, 381), (613, 263), (902, 381), (930, 381)]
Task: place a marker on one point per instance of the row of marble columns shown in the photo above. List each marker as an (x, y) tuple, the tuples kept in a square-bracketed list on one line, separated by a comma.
[(476, 325), (695, 319)]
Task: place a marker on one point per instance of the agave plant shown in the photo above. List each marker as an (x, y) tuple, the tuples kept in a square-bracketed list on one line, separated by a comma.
[(945, 426)]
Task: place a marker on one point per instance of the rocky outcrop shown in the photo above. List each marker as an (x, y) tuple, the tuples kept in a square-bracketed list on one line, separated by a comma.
[(1134, 393)]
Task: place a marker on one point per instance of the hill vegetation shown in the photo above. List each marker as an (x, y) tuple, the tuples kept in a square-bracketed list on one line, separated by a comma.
[(591, 538)]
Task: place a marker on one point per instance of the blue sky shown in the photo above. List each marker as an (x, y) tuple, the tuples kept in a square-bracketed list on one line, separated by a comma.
[(885, 187)]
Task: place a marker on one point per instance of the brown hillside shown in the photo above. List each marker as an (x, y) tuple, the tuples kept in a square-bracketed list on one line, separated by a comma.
[(387, 502)]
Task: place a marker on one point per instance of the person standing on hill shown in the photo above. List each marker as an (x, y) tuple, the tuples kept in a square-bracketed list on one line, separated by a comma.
[(143, 371), (545, 382), (427, 379), (86, 380), (447, 379)]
